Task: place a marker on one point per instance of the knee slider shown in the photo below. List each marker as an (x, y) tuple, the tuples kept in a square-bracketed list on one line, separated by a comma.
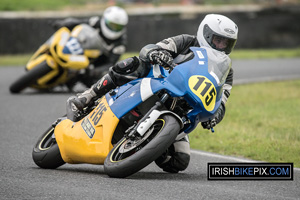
[(175, 163), (177, 158), (181, 161), (181, 154)]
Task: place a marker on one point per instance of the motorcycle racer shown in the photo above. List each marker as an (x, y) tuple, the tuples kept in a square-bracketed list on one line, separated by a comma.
[(112, 30), (216, 32)]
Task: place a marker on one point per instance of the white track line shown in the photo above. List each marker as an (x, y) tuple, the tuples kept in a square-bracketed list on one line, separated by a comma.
[(214, 155)]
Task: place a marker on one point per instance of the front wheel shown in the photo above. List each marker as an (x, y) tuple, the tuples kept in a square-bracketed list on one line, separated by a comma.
[(46, 153), (129, 156), (30, 77)]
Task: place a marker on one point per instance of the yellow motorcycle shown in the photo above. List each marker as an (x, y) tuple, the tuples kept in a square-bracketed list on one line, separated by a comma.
[(63, 59)]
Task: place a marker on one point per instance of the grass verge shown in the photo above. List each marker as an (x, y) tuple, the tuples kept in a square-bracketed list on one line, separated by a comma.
[(265, 53), (13, 60), (37, 5), (261, 123)]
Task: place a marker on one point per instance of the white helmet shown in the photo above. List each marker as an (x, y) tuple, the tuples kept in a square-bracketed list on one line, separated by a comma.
[(113, 22), (220, 26)]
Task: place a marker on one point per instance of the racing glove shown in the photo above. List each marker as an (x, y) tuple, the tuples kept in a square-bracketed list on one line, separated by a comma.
[(219, 115), (209, 124), (161, 57)]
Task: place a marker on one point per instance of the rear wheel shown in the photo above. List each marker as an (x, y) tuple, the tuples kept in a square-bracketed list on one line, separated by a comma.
[(46, 153), (131, 155), (30, 77)]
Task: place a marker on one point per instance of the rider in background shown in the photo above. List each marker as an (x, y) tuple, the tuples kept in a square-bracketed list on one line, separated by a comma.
[(112, 30), (216, 32)]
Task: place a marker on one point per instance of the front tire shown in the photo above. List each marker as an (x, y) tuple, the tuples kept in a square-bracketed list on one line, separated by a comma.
[(131, 155), (30, 77), (46, 153)]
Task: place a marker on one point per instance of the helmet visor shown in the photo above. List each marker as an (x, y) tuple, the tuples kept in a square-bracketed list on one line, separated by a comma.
[(114, 26), (217, 41), (222, 43)]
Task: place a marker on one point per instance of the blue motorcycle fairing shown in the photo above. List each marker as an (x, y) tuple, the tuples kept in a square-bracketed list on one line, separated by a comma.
[(176, 84), (179, 80), (158, 72)]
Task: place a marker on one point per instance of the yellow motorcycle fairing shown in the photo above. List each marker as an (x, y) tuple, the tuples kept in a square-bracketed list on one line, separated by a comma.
[(42, 50), (88, 140), (72, 61), (43, 82)]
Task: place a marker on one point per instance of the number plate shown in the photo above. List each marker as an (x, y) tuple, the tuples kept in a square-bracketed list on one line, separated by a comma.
[(205, 90)]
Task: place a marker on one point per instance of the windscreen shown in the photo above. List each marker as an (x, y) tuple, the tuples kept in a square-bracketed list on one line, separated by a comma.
[(219, 65)]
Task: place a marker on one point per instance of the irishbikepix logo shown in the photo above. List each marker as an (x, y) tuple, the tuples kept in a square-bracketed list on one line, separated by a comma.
[(250, 171)]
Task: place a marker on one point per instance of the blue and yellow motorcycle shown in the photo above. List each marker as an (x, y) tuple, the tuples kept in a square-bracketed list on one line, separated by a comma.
[(134, 124), (62, 60)]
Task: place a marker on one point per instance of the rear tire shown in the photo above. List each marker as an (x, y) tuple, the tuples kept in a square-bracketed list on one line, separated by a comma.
[(131, 155), (30, 77), (46, 153)]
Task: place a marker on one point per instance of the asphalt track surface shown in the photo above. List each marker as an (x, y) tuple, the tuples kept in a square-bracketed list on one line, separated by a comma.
[(25, 116)]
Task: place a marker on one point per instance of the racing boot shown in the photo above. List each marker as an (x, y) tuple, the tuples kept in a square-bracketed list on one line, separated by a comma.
[(76, 104)]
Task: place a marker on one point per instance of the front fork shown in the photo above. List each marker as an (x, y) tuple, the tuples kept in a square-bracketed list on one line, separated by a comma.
[(150, 117), (144, 124)]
